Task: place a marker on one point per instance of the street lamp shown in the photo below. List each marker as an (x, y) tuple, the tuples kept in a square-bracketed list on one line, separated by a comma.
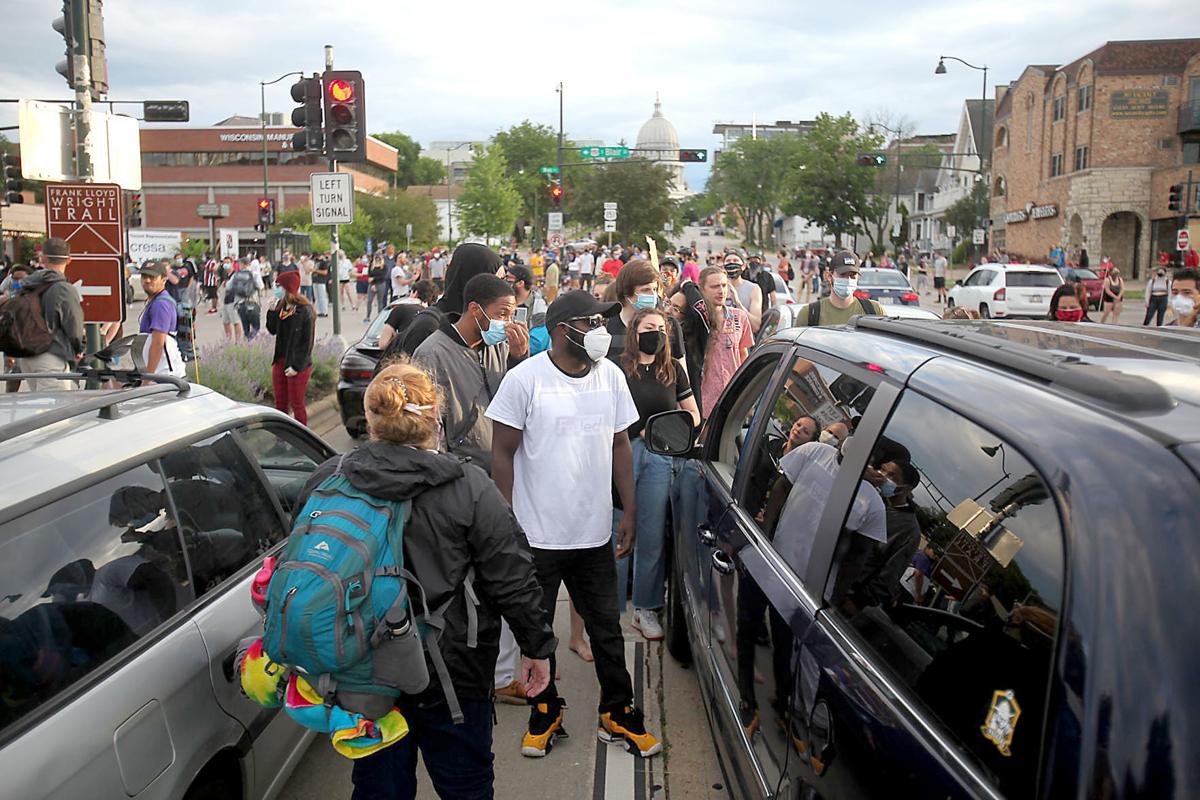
[(985, 139), (262, 86), (449, 176)]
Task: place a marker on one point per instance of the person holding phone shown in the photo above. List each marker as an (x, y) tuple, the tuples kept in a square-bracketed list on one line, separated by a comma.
[(531, 308)]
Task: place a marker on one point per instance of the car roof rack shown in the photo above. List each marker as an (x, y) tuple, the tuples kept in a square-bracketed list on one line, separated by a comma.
[(1108, 387), (106, 404)]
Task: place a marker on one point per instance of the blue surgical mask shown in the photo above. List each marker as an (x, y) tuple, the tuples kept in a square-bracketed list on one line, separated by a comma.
[(888, 487), (16, 286), (844, 287), (278, 291), (495, 331), (645, 301)]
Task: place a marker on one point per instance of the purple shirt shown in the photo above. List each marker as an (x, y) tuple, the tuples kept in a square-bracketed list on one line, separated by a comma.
[(160, 315)]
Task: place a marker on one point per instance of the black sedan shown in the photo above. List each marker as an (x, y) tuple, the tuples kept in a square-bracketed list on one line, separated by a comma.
[(888, 287), (355, 372)]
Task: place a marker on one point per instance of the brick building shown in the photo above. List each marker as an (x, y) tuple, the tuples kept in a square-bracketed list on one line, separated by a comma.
[(1084, 153), (185, 167)]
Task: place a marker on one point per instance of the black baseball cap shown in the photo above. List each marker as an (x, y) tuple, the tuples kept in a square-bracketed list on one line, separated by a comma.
[(153, 268), (521, 273), (574, 305), (844, 261)]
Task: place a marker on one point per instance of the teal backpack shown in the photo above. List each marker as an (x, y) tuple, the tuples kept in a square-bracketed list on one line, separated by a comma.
[(337, 606)]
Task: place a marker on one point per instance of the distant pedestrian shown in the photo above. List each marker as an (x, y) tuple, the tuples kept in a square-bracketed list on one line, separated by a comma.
[(211, 282), (939, 277), (1112, 295), (377, 288), (320, 285), (63, 313), (1192, 259), (293, 322), (307, 267), (551, 282), (1158, 291), (246, 286), (344, 272)]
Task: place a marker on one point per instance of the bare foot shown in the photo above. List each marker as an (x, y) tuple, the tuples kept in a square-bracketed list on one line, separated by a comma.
[(582, 649)]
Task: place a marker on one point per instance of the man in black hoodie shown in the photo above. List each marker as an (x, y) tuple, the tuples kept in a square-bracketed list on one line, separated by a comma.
[(63, 310), (469, 260)]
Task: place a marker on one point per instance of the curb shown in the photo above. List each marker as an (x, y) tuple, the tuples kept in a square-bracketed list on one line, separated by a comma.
[(324, 415)]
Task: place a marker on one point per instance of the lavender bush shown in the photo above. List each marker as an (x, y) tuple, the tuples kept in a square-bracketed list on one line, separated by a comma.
[(242, 371)]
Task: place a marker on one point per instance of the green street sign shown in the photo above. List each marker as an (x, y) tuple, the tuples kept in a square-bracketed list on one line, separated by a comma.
[(604, 152), (549, 170)]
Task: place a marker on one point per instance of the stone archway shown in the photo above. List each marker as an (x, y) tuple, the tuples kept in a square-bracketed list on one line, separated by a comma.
[(1075, 236), (1121, 240)]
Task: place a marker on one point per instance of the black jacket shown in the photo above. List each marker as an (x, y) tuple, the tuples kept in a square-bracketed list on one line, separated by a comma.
[(459, 520), (63, 311), (293, 336)]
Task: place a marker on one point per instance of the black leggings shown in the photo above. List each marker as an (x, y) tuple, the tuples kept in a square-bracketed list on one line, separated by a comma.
[(1156, 306)]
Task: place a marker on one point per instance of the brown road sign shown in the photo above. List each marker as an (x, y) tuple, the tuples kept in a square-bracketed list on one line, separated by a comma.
[(965, 563), (98, 280), (88, 216)]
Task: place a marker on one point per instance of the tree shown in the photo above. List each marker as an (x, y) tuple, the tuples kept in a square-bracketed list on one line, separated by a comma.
[(489, 203), (352, 238), (964, 214), (640, 189), (392, 211), (527, 148), (827, 186), (412, 168), (752, 177)]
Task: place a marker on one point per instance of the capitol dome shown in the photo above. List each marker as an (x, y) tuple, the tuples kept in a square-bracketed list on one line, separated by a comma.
[(657, 133)]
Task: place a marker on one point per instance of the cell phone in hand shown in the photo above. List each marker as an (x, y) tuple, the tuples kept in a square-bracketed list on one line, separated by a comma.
[(522, 315)]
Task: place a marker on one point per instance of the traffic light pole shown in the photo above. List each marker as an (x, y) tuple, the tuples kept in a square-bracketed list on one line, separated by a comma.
[(561, 250), (334, 267)]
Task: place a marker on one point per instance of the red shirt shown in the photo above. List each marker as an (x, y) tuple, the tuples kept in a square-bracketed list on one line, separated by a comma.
[(612, 266), (1192, 259)]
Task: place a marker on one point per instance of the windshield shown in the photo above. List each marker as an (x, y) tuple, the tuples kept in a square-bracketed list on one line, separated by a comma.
[(883, 278), (1086, 275), (1019, 279)]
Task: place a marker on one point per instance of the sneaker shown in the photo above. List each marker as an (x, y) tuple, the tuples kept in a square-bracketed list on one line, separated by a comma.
[(545, 727), (628, 726), (513, 694), (646, 621)]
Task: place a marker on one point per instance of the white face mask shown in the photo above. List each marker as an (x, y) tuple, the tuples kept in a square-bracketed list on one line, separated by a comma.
[(828, 438), (1183, 306), (596, 342)]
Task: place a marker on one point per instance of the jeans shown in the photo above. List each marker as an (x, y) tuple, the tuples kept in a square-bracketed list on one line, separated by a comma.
[(458, 758), (289, 390), (307, 291), (251, 317), (321, 292), (1157, 306), (376, 292), (652, 485), (591, 579)]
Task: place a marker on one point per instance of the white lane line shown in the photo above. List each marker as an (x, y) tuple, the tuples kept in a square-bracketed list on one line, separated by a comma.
[(618, 768)]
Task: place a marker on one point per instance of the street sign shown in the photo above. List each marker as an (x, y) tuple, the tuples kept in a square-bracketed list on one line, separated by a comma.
[(610, 226), (554, 221), (146, 244), (951, 231), (610, 206), (668, 226), (98, 279), (555, 240), (604, 152), (965, 563), (977, 236), (549, 170), (332, 198), (48, 152), (87, 215), (165, 111), (1182, 240), (610, 214), (208, 211), (228, 237)]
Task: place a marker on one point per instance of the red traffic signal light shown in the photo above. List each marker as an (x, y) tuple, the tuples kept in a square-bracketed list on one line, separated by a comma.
[(340, 91), (345, 115), (694, 156), (266, 212)]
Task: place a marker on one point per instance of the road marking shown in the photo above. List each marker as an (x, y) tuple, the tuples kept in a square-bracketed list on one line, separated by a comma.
[(620, 775)]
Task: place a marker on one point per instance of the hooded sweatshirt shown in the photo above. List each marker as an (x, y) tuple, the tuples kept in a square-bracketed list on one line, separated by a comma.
[(63, 311), (459, 520), (468, 261)]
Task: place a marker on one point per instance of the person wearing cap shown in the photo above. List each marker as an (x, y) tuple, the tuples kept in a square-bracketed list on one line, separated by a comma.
[(841, 304), (746, 294), (521, 278), (292, 321), (160, 320), (63, 310), (558, 440)]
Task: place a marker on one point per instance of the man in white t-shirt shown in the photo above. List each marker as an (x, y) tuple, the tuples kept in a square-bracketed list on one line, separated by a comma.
[(401, 280), (558, 443), (587, 268)]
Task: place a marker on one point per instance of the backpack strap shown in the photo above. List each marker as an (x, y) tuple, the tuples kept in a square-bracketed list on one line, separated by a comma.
[(814, 314), (867, 308)]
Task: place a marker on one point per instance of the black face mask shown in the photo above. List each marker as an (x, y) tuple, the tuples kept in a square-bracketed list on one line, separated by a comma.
[(652, 342)]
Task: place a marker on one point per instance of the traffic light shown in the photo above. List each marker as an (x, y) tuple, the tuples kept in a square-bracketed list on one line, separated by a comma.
[(266, 212), (82, 28), (871, 159), (65, 27), (307, 92), (1175, 197), (556, 194), (345, 115), (694, 156), (12, 179), (135, 210)]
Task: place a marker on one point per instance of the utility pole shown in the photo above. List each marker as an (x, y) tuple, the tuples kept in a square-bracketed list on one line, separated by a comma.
[(79, 24), (334, 243), (561, 251)]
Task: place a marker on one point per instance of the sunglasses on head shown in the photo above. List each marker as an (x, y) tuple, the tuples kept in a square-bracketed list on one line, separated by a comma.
[(593, 322)]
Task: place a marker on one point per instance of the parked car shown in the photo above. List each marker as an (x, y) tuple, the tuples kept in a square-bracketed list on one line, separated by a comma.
[(1093, 281), (355, 371), (1007, 290), (783, 316), (1048, 648), (887, 286), (783, 292), (705, 232), (132, 522)]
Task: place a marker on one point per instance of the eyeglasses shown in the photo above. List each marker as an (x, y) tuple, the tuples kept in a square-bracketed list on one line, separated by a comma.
[(593, 322)]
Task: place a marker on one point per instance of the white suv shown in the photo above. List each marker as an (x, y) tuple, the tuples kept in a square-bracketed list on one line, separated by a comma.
[(1007, 290)]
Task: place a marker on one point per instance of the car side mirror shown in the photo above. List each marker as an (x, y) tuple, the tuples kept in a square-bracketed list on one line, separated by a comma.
[(958, 282), (670, 433)]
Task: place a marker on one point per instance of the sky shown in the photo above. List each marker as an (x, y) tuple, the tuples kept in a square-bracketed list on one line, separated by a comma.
[(464, 70)]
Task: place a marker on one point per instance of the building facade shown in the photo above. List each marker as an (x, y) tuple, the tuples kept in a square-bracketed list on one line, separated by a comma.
[(730, 132), (658, 141), (183, 168), (1084, 153)]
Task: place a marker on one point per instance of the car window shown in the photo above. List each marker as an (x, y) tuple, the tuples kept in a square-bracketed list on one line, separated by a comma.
[(798, 456), (1026, 279), (84, 578), (285, 459), (729, 424), (1086, 275), (975, 278), (227, 517), (960, 599)]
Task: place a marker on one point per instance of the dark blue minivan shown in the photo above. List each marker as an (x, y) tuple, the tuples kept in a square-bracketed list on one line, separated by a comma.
[(925, 559)]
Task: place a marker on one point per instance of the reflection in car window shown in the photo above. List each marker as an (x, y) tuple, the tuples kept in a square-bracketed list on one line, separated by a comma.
[(225, 513), (962, 600), (882, 277), (84, 578), (286, 463), (730, 421)]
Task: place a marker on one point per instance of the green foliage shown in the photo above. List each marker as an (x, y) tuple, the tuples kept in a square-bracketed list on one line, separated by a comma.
[(390, 212), (959, 256), (489, 203), (697, 207), (641, 191), (964, 214), (194, 248), (753, 177), (412, 169), (527, 148), (242, 371), (352, 237), (901, 239)]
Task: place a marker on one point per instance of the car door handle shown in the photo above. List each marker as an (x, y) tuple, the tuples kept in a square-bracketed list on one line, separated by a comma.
[(706, 535), (722, 563)]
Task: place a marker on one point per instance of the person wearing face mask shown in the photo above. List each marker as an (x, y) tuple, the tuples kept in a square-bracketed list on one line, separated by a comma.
[(1112, 295), (637, 289), (1185, 298), (658, 383), (834, 434), (1065, 306), (883, 563), (1158, 293), (560, 420), (841, 304), (746, 294)]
